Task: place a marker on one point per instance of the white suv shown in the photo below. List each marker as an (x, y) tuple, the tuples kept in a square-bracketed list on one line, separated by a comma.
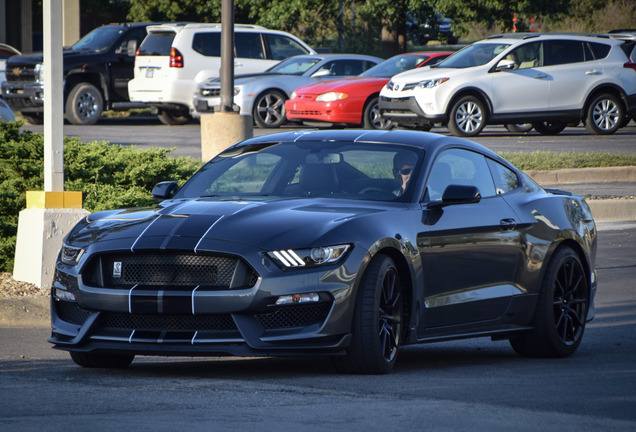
[(548, 80), (174, 57)]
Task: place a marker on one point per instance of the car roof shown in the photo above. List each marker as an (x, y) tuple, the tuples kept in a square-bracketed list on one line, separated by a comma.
[(514, 38), (177, 27), (424, 140)]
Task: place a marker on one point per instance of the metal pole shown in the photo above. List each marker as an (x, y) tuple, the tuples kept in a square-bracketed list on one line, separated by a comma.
[(227, 56), (53, 97)]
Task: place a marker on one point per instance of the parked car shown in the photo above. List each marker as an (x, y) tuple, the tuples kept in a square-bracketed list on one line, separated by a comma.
[(263, 95), (96, 73), (548, 80), (6, 51), (175, 57), (6, 115), (347, 243), (354, 101)]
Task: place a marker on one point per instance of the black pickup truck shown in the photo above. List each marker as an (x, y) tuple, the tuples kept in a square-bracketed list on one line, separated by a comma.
[(96, 73)]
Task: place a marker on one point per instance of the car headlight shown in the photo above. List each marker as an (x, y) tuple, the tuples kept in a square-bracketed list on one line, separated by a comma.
[(293, 95), (71, 255), (432, 83), (331, 96), (39, 73), (296, 258)]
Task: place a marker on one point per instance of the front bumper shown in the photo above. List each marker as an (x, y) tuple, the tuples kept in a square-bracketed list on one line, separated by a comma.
[(347, 111), (170, 320), (24, 97), (406, 111)]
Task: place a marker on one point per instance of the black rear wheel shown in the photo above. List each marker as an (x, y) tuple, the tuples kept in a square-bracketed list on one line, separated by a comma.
[(561, 310), (378, 321), (549, 128), (84, 104)]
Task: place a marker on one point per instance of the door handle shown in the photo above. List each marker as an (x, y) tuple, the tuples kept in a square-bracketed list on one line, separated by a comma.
[(593, 72), (541, 76), (507, 224)]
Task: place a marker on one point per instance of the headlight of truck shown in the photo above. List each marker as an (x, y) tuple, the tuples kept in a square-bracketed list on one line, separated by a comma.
[(39, 73)]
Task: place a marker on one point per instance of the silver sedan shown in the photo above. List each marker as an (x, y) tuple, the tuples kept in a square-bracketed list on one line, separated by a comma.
[(263, 95)]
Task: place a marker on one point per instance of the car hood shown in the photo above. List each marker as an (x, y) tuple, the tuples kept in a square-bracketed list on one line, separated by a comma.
[(346, 84), (279, 223), (241, 79), (425, 73), (37, 57)]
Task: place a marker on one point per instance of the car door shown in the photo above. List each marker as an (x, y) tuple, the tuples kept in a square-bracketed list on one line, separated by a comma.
[(250, 53), (572, 72), (469, 252), (122, 63), (526, 87)]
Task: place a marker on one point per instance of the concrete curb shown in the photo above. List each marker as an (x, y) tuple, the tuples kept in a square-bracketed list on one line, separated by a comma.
[(585, 175), (28, 311)]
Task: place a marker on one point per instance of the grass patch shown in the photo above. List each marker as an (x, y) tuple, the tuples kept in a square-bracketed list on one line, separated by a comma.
[(550, 161)]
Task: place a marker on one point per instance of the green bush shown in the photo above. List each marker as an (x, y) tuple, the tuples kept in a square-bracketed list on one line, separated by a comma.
[(109, 176)]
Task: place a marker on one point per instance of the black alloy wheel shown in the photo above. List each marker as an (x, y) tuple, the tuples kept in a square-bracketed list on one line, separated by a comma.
[(269, 109), (378, 321), (372, 118), (561, 310)]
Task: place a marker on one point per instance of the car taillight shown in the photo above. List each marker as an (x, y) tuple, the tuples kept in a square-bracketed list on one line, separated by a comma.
[(176, 59), (630, 65)]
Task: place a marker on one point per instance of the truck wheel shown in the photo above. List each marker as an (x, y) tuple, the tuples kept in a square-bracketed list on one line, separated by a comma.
[(173, 117), (34, 118), (84, 105)]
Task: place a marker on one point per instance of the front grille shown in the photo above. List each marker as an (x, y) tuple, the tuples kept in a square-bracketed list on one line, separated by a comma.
[(294, 316), (20, 73), (174, 270), (192, 323), (71, 312), (208, 92), (305, 112)]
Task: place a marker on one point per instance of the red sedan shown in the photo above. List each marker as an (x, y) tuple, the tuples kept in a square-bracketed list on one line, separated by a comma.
[(355, 100)]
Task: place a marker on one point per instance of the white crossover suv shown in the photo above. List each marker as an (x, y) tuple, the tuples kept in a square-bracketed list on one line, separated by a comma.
[(548, 80), (174, 57)]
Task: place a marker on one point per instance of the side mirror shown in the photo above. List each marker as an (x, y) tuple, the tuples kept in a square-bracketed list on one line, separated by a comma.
[(457, 194), (321, 73), (505, 65), (132, 48), (164, 190)]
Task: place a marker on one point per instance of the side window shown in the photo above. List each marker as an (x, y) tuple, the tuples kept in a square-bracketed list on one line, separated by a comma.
[(248, 45), (207, 44), (132, 40), (344, 67), (527, 56), (559, 52), (459, 167), (281, 47), (599, 50), (505, 179)]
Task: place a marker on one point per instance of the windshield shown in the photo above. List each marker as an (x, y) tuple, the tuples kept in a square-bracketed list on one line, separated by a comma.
[(308, 170), (474, 55), (395, 65), (99, 39), (294, 65)]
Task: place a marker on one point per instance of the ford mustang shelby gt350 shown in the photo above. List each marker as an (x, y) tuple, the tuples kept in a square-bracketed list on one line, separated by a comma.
[(346, 243)]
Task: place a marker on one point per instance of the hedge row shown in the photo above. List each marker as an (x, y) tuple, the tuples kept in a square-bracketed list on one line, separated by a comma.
[(109, 176)]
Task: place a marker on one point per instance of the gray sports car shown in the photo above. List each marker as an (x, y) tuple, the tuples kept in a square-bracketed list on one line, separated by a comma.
[(346, 243)]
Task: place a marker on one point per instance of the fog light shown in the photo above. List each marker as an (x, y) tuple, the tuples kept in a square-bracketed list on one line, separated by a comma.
[(298, 298), (64, 295)]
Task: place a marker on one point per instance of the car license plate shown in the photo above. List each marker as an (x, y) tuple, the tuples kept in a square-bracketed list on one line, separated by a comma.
[(150, 73)]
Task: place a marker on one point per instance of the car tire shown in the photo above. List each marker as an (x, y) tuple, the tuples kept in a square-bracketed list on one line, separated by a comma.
[(604, 115), (109, 361), (84, 104), (372, 118), (518, 127), (377, 323), (467, 117), (173, 117), (269, 109), (549, 128), (34, 118), (561, 310)]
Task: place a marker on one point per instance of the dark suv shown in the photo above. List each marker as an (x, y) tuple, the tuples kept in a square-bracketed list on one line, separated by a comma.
[(96, 73)]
